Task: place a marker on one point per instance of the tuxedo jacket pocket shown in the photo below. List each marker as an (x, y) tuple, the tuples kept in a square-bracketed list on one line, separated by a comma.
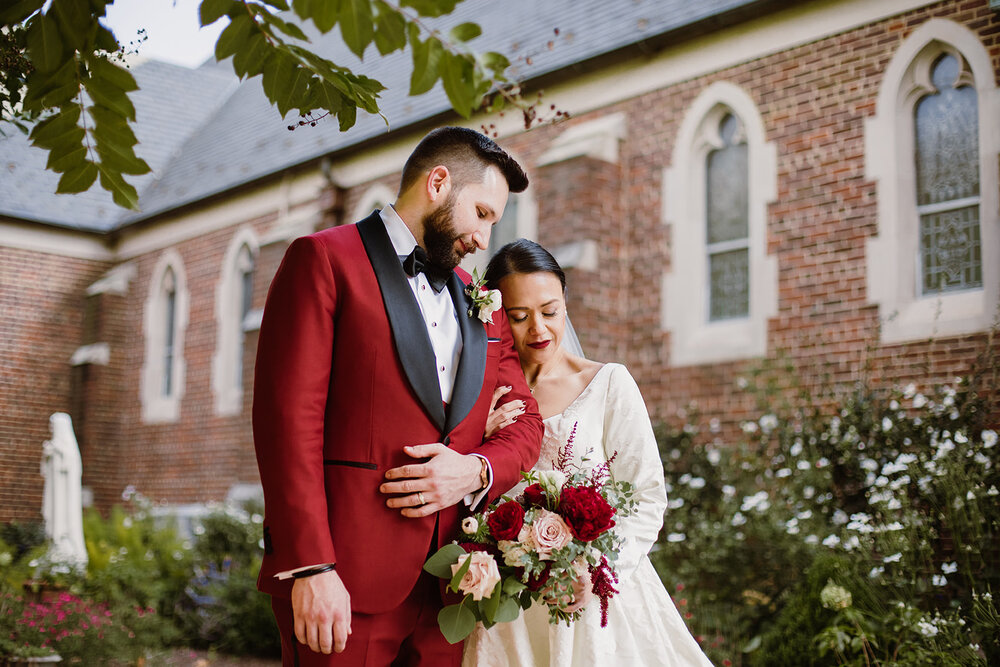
[(350, 464), (492, 347)]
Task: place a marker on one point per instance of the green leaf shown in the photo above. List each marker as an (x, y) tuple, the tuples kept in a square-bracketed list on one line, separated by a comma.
[(496, 62), (289, 29), (489, 605), (426, 61), (431, 8), (460, 573), (304, 8), (52, 89), (459, 84), (390, 29), (513, 587), (508, 611), (45, 47), (356, 25), (325, 96), (278, 4), (456, 622), (18, 11), (67, 156), (78, 179), (116, 152), (49, 132), (234, 37), (463, 32), (348, 115), (108, 120), (250, 60), (107, 95), (325, 14), (105, 39), (211, 11), (116, 76), (75, 22), (285, 82), (440, 563), (122, 193)]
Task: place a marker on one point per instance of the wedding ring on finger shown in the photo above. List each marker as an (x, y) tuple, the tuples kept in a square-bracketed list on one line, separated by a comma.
[(420, 497)]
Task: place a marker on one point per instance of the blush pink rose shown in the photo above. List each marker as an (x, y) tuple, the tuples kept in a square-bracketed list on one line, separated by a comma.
[(481, 577), (549, 533)]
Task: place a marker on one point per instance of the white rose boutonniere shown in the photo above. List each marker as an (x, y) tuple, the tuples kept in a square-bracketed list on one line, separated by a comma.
[(485, 302)]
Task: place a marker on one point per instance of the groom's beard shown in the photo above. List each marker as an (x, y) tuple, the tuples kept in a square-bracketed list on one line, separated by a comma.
[(440, 237)]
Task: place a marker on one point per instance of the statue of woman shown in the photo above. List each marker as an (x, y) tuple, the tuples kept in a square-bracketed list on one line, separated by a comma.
[(62, 503)]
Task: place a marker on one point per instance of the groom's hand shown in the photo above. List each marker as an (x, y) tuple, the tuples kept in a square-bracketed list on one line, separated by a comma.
[(322, 611), (441, 481)]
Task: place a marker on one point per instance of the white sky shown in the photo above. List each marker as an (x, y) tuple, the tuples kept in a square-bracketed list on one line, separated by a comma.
[(172, 28)]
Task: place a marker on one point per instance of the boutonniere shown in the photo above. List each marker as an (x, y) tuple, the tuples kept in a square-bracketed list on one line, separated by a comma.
[(485, 302)]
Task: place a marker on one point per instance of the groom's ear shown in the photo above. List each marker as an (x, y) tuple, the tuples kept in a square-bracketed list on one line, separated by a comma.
[(438, 183)]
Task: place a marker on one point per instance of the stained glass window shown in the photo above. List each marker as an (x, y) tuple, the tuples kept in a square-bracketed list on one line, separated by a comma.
[(727, 227), (244, 265), (946, 128)]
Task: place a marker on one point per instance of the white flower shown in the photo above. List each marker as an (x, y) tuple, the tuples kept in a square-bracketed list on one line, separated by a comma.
[(729, 490), (992, 491), (796, 449), (919, 401), (470, 525), (676, 537), (893, 467), (970, 495), (822, 462), (784, 472), (811, 539), (893, 558), (803, 465), (852, 543), (871, 465), (895, 525), (714, 456), (697, 483), (989, 439), (792, 526), (714, 425), (910, 390), (840, 517), (876, 571), (894, 504), (758, 501), (738, 519), (808, 492), (805, 514), (831, 541), (886, 424), (927, 629), (675, 503), (490, 304), (742, 382), (768, 423), (949, 568), (749, 427), (552, 482)]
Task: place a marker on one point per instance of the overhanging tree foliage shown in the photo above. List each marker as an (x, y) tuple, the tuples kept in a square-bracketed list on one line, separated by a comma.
[(61, 73)]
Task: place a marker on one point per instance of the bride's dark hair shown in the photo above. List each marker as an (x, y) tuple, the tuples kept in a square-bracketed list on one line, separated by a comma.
[(521, 256)]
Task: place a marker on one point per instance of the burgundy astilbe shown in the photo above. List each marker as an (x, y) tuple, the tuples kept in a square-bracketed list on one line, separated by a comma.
[(566, 453), (601, 474), (601, 577)]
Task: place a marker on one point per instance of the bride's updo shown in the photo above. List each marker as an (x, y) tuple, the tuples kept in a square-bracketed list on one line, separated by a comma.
[(522, 256)]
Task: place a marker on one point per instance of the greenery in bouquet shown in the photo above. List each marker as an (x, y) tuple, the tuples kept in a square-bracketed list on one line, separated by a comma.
[(554, 543)]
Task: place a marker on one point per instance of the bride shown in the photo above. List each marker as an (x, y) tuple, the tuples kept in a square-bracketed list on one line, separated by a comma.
[(603, 402)]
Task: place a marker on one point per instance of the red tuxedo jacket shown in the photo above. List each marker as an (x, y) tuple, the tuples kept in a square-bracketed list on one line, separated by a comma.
[(344, 379)]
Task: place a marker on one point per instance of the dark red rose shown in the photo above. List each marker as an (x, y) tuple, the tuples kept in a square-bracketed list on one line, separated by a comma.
[(506, 520), (586, 512), (533, 495), (485, 548)]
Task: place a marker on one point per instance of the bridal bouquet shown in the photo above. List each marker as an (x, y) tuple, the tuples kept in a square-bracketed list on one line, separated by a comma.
[(553, 543)]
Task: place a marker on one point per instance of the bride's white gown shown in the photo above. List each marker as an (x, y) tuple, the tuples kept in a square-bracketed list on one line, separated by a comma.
[(644, 627)]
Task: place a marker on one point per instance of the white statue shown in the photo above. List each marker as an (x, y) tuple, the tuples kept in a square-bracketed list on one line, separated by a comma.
[(62, 503)]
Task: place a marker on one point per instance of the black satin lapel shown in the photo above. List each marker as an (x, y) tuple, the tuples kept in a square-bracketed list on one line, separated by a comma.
[(413, 345), (472, 363)]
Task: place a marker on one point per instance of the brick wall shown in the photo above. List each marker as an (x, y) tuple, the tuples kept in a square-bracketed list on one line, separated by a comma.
[(41, 325)]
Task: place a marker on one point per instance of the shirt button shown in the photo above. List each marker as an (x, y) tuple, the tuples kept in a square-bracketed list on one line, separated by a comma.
[(423, 287), (434, 324), (442, 369)]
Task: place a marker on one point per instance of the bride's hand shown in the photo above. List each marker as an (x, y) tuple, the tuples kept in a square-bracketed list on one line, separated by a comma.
[(503, 416)]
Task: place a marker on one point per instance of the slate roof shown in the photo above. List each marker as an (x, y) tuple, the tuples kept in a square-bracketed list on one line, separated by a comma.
[(204, 133)]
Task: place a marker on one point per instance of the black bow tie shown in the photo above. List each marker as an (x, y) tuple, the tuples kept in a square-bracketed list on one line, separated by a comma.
[(416, 262)]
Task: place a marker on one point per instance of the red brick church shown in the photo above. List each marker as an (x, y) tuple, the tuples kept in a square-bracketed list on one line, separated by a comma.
[(740, 181)]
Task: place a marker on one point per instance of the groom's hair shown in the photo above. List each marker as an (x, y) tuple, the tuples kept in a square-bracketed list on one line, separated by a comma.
[(522, 256), (466, 153)]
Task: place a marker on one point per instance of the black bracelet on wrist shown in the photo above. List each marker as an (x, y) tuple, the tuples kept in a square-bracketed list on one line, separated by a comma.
[(319, 569)]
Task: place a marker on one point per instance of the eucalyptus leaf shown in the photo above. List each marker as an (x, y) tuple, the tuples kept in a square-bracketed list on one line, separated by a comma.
[(440, 563), (489, 605), (456, 622), (508, 610)]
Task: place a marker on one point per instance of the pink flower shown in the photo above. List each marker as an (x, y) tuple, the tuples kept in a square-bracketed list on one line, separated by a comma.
[(577, 596), (481, 577), (550, 533)]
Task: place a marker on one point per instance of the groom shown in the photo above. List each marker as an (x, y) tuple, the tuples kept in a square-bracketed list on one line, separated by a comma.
[(372, 387)]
